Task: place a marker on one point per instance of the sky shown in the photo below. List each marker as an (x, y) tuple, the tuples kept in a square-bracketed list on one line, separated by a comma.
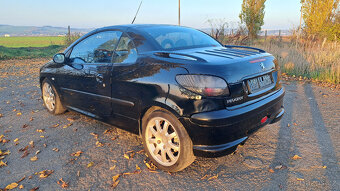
[(279, 14)]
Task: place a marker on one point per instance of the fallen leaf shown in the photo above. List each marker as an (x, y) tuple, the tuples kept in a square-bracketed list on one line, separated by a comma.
[(134, 172), (99, 144), (23, 149), (153, 171), (23, 178), (137, 167), (106, 131), (213, 177), (70, 119), (112, 167), (40, 130), (31, 119), (16, 140), (34, 189), (55, 149), (1, 115), (25, 154), (141, 151), (62, 183), (24, 126), (2, 163), (35, 158), (295, 157), (42, 136), (114, 185), (5, 153), (115, 178), (300, 179), (295, 124), (77, 154), (45, 173), (67, 125), (324, 166), (54, 126), (11, 186), (278, 167), (271, 170), (37, 152), (18, 114), (31, 143), (129, 154), (90, 164), (21, 186), (95, 135), (150, 166)]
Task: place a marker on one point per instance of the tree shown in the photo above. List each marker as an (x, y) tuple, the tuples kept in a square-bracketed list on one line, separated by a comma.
[(252, 15), (321, 17)]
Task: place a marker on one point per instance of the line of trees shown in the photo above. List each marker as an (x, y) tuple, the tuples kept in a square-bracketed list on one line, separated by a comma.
[(321, 18)]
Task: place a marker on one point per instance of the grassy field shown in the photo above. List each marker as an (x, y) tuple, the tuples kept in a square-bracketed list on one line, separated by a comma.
[(31, 41), (29, 52), (30, 47)]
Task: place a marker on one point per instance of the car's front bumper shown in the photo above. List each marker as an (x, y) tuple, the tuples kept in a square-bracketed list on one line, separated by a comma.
[(219, 132)]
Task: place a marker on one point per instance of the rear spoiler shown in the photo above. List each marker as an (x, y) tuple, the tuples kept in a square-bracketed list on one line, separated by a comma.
[(245, 47)]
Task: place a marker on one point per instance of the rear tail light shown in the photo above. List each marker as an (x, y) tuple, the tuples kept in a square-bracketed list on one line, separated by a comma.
[(204, 84), (264, 119)]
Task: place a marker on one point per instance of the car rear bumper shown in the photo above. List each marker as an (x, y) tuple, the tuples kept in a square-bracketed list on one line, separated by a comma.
[(219, 132)]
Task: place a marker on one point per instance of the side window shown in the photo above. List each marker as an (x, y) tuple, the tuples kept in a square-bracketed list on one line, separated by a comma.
[(97, 48), (126, 51)]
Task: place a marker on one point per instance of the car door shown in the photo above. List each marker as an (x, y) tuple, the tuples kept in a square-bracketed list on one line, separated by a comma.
[(125, 91), (87, 86)]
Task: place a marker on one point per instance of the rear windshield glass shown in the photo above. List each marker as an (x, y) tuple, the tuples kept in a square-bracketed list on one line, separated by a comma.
[(174, 38)]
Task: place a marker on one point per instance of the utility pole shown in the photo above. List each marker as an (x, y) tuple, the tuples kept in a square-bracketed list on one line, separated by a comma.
[(179, 12)]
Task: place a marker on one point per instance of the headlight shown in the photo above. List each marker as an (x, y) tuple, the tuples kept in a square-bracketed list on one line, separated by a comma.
[(204, 84)]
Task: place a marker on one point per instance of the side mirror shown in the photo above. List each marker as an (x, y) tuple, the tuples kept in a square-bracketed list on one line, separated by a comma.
[(59, 58)]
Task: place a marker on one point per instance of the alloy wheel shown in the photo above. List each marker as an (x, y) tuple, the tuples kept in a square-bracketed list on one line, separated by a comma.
[(162, 141), (48, 96)]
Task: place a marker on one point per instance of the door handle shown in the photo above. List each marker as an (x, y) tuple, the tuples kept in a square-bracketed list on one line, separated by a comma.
[(99, 78)]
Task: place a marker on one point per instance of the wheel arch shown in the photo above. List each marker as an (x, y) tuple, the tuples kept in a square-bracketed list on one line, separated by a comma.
[(170, 107)]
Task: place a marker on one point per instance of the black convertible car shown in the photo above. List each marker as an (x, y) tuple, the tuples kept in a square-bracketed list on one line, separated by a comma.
[(182, 91)]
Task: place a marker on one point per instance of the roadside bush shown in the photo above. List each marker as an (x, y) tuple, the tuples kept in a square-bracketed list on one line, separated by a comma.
[(69, 39)]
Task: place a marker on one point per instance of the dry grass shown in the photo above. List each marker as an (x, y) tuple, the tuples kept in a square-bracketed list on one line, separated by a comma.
[(316, 60)]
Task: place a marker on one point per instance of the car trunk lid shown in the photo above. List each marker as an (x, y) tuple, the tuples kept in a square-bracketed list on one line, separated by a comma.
[(250, 74)]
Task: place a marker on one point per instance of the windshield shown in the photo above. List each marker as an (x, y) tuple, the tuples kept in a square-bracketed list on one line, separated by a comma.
[(174, 38)]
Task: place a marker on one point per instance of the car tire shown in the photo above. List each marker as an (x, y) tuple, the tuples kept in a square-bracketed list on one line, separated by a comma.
[(51, 98), (166, 141)]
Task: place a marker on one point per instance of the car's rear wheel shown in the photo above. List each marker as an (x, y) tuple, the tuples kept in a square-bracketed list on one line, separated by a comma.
[(51, 98), (166, 141)]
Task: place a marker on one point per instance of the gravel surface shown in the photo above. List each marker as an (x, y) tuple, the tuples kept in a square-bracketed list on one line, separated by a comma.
[(301, 152)]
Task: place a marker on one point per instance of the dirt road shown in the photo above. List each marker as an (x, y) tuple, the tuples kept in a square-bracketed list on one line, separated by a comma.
[(310, 129)]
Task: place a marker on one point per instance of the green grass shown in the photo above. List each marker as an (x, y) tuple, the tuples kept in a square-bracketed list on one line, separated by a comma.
[(31, 41), (29, 52)]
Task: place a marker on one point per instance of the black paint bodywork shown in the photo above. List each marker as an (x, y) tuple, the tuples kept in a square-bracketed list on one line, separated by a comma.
[(214, 125)]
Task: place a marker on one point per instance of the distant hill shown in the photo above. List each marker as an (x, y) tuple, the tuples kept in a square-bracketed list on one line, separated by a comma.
[(37, 31)]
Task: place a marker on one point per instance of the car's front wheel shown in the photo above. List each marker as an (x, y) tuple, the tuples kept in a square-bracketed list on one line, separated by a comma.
[(166, 141), (51, 98)]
